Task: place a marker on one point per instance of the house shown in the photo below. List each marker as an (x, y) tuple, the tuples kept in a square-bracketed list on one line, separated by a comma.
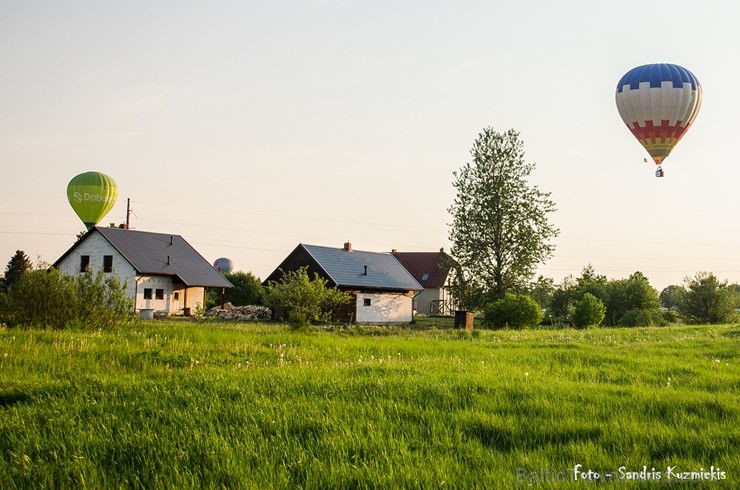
[(382, 290), (435, 272), (163, 273)]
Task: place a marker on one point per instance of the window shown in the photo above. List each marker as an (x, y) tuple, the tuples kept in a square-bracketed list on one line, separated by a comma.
[(159, 294), (107, 263), (84, 262), (176, 295), (425, 276), (147, 293), (367, 302)]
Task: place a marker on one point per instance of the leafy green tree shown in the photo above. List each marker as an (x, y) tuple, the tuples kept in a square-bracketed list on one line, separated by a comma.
[(633, 293), (591, 282), (513, 311), (247, 289), (305, 299), (18, 265), (500, 229), (671, 295), (706, 299), (563, 301), (589, 311)]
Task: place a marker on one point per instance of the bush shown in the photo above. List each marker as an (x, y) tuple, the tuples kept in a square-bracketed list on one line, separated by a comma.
[(589, 311), (513, 311), (305, 299), (706, 299), (45, 298), (642, 318)]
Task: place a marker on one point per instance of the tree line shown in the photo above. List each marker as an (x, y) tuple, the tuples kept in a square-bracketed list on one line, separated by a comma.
[(501, 230)]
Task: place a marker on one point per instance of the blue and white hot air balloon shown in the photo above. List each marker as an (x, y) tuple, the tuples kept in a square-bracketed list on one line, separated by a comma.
[(658, 103)]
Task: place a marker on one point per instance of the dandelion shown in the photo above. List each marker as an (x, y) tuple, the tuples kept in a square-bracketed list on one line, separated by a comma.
[(526, 375)]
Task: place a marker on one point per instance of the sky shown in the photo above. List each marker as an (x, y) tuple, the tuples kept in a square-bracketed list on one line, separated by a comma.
[(249, 127)]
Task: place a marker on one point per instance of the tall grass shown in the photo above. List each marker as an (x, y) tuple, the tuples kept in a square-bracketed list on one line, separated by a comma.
[(175, 405)]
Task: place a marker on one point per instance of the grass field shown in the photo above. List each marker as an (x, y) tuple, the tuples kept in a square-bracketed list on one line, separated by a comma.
[(187, 405)]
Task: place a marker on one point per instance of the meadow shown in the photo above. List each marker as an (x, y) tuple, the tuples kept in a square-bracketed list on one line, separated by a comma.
[(170, 404)]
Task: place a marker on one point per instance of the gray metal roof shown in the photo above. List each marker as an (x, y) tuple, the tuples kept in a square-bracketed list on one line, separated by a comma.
[(346, 268), (148, 253)]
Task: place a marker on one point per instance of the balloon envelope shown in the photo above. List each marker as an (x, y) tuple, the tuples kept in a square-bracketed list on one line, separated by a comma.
[(92, 195), (223, 265), (658, 103)]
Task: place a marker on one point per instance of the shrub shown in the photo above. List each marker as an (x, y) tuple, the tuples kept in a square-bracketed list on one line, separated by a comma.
[(46, 298), (513, 311), (589, 311), (642, 318), (706, 299), (305, 299)]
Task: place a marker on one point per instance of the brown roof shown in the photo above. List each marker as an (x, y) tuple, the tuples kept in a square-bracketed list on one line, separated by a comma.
[(429, 268)]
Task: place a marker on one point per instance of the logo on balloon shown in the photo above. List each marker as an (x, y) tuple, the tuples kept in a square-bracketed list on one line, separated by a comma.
[(77, 197)]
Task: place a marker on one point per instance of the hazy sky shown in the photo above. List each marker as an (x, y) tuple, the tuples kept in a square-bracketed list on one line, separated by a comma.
[(248, 127)]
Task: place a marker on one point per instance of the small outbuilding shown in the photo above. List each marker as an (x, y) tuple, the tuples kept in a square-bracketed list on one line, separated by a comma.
[(382, 289), (163, 273)]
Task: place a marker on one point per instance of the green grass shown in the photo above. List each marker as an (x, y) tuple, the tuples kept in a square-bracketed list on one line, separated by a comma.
[(185, 405)]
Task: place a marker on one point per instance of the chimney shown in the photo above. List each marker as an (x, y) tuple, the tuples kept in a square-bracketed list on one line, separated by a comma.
[(442, 250), (394, 251), (348, 246)]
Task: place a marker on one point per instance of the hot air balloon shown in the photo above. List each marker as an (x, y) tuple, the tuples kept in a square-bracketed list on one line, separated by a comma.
[(92, 195), (223, 265), (658, 103)]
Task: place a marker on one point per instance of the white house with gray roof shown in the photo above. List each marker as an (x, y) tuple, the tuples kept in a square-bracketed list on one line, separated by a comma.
[(163, 273), (381, 288)]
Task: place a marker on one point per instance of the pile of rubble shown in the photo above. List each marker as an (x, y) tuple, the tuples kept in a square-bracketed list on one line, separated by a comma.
[(240, 313)]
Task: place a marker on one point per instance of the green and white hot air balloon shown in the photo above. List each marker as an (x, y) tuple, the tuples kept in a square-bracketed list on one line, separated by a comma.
[(92, 195)]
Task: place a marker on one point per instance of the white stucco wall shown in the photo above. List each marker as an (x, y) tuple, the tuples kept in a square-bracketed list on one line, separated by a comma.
[(96, 247), (424, 300), (384, 308), (174, 297)]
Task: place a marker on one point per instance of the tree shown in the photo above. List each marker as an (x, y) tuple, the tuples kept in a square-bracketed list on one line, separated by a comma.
[(671, 295), (589, 311), (500, 229), (707, 300), (18, 265), (247, 289), (513, 311), (633, 293), (306, 299)]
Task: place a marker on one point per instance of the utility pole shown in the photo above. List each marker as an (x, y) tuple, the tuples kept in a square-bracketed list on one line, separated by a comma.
[(128, 212)]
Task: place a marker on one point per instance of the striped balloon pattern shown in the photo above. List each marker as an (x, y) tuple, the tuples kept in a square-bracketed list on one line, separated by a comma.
[(658, 103)]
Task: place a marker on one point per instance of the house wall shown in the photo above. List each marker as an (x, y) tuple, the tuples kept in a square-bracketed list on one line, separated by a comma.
[(96, 247), (174, 298), (384, 308), (423, 301)]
